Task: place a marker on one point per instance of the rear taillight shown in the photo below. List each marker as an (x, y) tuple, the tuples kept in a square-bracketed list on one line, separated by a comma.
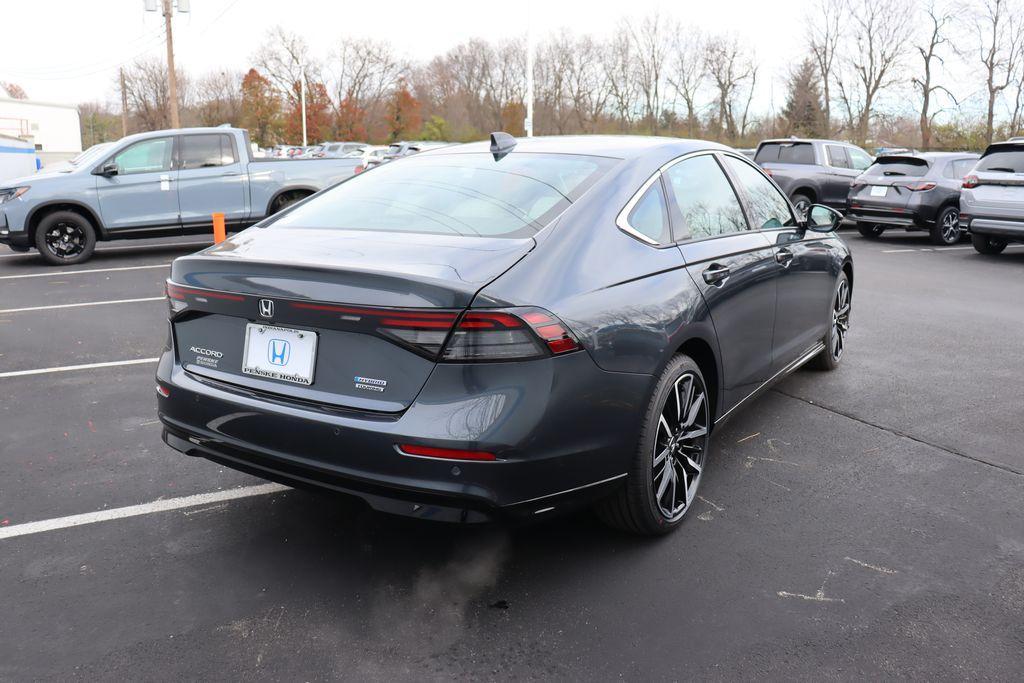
[(358, 169), (921, 187), (970, 181), (503, 335)]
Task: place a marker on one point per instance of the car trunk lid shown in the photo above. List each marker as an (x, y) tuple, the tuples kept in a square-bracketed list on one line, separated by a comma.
[(361, 315)]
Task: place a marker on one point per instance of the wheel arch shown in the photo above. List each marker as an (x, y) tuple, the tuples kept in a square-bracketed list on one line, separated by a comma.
[(810, 191), (306, 191), (703, 354), (37, 214)]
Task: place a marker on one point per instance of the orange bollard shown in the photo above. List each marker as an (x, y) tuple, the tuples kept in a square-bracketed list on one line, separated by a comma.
[(219, 233)]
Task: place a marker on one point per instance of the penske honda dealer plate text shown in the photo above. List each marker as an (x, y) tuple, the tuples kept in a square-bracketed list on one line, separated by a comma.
[(279, 353)]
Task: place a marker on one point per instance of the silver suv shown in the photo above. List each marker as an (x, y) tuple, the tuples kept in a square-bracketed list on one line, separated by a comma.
[(992, 198)]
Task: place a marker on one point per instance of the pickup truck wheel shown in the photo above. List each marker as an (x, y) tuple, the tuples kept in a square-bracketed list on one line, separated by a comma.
[(286, 200), (802, 204), (870, 230), (989, 246), (65, 237), (946, 230)]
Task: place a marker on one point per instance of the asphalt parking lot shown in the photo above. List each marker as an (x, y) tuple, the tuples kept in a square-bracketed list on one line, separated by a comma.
[(863, 523)]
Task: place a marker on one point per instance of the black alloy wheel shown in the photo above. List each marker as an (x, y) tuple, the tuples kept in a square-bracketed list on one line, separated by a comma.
[(839, 325), (675, 441), (64, 238), (946, 230)]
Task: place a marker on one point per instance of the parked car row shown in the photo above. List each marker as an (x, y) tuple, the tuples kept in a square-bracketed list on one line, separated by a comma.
[(947, 194)]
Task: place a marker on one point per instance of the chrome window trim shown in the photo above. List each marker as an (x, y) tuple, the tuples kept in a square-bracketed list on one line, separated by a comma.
[(622, 220)]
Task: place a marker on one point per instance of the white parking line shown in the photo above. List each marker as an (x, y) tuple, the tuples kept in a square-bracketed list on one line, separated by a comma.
[(89, 303), (81, 272), (136, 510), (115, 250), (907, 251), (70, 368)]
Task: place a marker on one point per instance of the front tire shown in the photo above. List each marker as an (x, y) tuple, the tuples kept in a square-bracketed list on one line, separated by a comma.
[(64, 238), (673, 449), (839, 325), (990, 246), (946, 231), (870, 230)]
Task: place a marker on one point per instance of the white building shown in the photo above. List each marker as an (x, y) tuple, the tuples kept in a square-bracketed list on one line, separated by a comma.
[(53, 129), (17, 158)]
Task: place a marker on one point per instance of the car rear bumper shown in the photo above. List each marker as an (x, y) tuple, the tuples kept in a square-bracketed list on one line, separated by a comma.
[(563, 431), (998, 227), (911, 221)]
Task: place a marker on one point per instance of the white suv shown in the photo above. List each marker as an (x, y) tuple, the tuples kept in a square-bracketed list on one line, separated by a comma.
[(992, 198)]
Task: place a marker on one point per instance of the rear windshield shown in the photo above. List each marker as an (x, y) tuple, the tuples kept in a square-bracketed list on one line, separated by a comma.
[(786, 152), (898, 166), (1009, 161), (461, 194)]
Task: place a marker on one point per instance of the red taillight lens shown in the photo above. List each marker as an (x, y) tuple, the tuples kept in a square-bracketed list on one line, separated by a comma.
[(358, 169), (501, 335), (921, 187), (444, 453), (970, 181)]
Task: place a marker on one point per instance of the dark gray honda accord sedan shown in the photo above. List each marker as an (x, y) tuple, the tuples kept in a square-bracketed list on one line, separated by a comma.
[(502, 330)]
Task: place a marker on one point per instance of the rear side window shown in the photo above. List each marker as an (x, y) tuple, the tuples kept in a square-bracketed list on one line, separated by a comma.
[(898, 166), (768, 208), (461, 194), (147, 156), (207, 151), (837, 156), (650, 215), (786, 152), (1008, 161), (703, 201)]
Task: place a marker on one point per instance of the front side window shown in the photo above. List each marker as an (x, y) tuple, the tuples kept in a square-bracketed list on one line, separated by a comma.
[(207, 151), (859, 159), (837, 156), (147, 156), (462, 194), (650, 215), (704, 203), (768, 207)]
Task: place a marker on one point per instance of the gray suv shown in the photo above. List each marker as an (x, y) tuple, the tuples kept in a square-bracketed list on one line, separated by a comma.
[(813, 171), (992, 198)]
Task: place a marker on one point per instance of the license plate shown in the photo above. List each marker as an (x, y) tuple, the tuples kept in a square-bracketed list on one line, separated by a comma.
[(279, 353), (879, 190)]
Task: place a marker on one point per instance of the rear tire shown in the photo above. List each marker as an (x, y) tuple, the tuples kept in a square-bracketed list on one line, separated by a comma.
[(838, 326), (286, 200), (870, 230), (947, 231), (802, 204), (665, 471), (990, 246), (64, 238)]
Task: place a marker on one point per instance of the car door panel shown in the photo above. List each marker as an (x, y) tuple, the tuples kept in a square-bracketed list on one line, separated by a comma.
[(211, 178), (144, 191)]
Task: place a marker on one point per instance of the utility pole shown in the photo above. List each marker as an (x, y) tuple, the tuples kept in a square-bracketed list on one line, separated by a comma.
[(124, 107), (172, 77)]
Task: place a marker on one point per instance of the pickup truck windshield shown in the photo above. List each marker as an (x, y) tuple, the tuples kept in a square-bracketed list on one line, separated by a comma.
[(463, 194), (1010, 161)]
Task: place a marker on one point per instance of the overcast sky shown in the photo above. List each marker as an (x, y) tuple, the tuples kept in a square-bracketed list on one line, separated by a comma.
[(69, 50)]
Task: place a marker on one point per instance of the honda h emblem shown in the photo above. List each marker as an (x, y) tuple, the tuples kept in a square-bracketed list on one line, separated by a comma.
[(266, 308), (278, 352)]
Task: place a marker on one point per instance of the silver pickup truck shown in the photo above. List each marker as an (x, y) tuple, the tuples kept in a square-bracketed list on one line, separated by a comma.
[(166, 182)]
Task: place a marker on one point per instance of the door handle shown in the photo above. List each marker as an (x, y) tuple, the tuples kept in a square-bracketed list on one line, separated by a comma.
[(715, 274), (784, 256)]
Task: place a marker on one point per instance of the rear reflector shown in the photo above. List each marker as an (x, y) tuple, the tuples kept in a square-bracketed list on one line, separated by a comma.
[(444, 453)]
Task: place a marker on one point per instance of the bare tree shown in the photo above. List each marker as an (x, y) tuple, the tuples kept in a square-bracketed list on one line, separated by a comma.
[(686, 73), (620, 76), (219, 98), (282, 58), (733, 72), (651, 39), (997, 29), (879, 30), (825, 22), (940, 18), (365, 72), (148, 98)]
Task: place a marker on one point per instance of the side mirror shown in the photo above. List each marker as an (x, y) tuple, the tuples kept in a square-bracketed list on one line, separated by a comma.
[(822, 218), (108, 169)]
